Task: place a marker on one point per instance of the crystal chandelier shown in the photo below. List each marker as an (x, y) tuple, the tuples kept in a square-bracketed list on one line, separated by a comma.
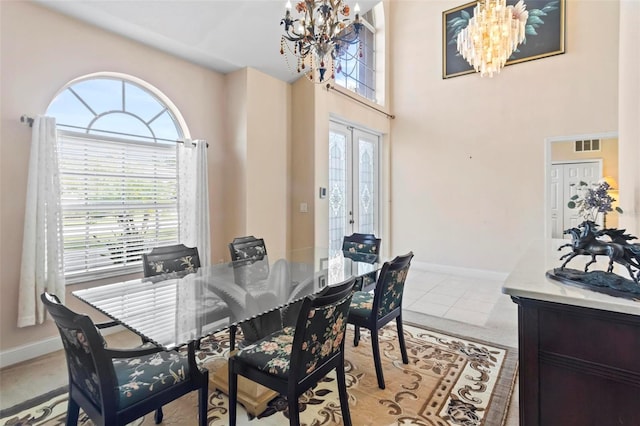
[(319, 35), (493, 34)]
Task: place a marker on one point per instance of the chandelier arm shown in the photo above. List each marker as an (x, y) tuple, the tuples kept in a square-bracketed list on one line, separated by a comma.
[(294, 39), (318, 34)]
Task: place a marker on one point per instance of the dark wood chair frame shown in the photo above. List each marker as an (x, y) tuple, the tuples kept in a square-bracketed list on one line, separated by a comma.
[(374, 324), (168, 253), (297, 383), (108, 414)]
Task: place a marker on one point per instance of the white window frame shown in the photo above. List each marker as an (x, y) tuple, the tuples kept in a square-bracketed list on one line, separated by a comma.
[(148, 196), (352, 62)]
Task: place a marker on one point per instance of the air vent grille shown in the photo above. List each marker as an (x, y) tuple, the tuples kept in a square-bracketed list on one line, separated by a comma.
[(587, 145)]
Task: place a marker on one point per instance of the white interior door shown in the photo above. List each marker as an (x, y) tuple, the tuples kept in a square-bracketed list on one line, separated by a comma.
[(354, 195), (564, 181)]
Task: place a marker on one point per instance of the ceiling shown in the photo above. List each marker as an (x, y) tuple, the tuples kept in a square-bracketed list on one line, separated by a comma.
[(223, 35)]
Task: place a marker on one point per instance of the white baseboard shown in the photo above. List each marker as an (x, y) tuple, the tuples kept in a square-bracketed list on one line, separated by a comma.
[(30, 351), (461, 272), (36, 349)]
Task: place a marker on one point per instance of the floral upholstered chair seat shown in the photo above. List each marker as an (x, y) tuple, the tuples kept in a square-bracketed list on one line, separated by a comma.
[(271, 354), (138, 378)]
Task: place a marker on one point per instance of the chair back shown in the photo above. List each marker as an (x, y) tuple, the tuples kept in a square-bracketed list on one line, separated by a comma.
[(247, 248), (250, 264), (320, 329), (361, 247), (91, 371), (390, 285), (167, 259)]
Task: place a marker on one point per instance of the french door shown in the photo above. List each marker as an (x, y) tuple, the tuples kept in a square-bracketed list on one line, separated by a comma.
[(354, 187)]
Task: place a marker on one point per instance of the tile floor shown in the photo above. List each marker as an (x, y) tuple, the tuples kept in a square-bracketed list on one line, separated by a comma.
[(469, 306)]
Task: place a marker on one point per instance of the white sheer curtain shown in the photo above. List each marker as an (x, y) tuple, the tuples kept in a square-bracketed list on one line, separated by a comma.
[(193, 198), (42, 247)]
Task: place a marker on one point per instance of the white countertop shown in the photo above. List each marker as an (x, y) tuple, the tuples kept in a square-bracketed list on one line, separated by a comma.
[(528, 280)]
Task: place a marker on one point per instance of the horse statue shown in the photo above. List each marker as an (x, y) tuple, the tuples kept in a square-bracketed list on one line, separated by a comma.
[(631, 250), (585, 242)]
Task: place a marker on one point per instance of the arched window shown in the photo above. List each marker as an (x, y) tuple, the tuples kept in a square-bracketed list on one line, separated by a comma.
[(118, 176), (358, 69)]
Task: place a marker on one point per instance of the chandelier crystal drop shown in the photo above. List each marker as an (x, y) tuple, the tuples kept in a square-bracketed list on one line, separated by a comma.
[(493, 34), (318, 35)]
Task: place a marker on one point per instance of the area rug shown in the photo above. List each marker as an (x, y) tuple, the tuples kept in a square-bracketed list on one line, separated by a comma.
[(450, 380)]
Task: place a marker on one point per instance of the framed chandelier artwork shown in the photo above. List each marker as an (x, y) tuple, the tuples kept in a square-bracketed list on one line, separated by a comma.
[(485, 35)]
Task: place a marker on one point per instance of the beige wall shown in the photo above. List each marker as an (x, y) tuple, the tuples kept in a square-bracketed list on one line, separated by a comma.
[(235, 208), (302, 160), (629, 120), (468, 153), (267, 161), (256, 183)]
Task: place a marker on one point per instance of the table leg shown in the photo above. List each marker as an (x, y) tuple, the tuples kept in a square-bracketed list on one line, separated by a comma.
[(232, 338)]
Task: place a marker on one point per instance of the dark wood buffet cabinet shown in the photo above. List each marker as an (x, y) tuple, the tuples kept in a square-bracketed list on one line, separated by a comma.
[(578, 366), (579, 350)]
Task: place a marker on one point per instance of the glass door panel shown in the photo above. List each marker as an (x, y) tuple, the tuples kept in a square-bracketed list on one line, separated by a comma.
[(353, 183)]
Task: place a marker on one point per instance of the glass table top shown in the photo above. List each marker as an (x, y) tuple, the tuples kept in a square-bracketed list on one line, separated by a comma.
[(171, 310)]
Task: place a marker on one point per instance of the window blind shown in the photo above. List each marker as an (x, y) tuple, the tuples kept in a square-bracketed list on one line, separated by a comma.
[(119, 199)]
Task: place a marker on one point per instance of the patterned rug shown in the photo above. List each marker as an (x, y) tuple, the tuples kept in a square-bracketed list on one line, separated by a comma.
[(449, 380)]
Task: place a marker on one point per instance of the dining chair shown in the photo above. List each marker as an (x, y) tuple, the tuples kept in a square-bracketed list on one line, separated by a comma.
[(250, 262), (362, 248), (179, 258), (247, 248), (117, 386), (167, 259), (269, 285), (374, 310), (294, 359)]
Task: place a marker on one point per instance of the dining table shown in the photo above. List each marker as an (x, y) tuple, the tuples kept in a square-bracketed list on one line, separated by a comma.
[(259, 295)]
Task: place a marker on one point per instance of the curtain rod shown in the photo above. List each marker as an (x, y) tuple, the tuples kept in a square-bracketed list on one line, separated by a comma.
[(29, 122), (330, 87), (26, 120)]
